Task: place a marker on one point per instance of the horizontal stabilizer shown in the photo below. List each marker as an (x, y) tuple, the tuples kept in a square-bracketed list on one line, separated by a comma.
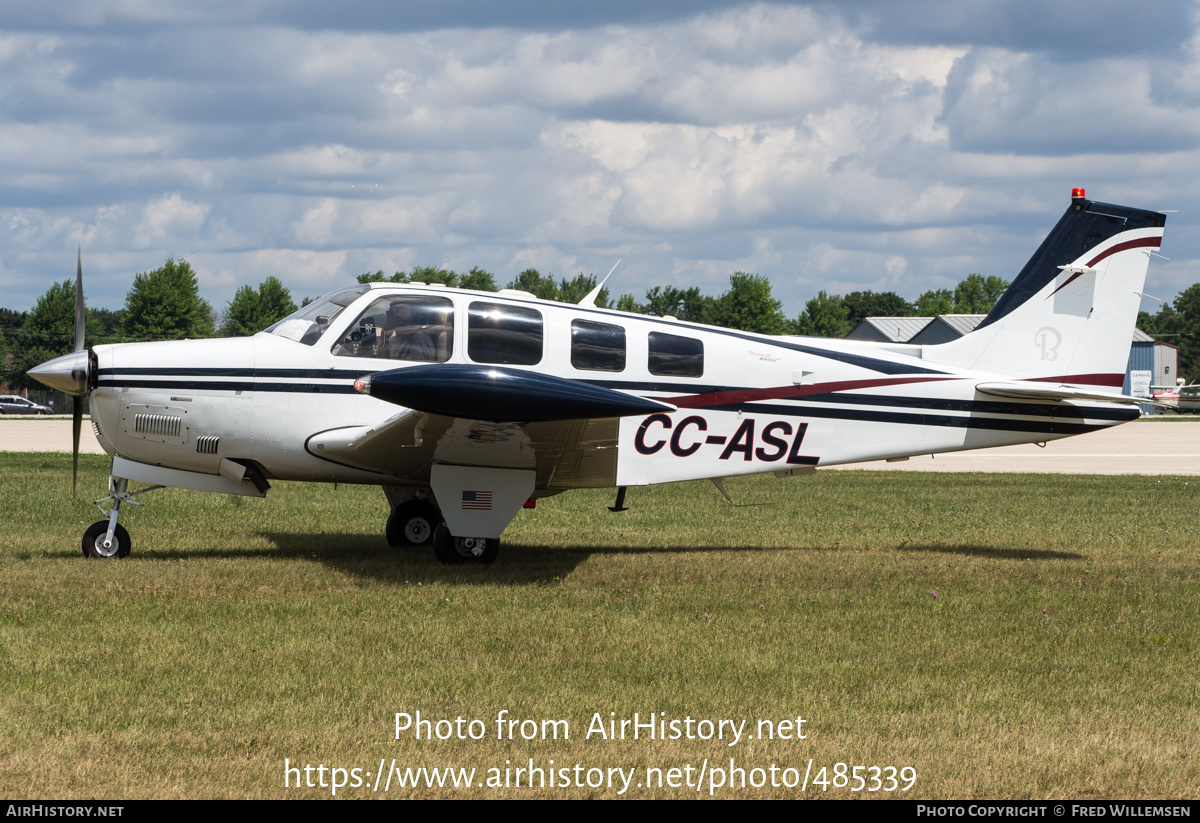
[(501, 395), (1036, 391)]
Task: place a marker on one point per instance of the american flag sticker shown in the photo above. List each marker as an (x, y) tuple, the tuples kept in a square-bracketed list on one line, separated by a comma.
[(477, 501)]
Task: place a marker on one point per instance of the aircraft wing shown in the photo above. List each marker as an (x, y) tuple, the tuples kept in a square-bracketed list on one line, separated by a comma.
[(495, 417)]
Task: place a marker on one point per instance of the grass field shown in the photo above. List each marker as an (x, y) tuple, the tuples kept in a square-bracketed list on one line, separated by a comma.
[(1002, 635)]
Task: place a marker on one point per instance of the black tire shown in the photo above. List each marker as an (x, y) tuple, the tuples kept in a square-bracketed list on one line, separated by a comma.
[(450, 550), (93, 542), (412, 523)]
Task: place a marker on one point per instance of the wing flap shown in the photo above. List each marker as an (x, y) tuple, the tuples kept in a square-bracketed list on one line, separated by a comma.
[(566, 454)]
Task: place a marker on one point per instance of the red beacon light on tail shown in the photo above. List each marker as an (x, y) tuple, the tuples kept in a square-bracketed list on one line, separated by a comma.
[(1077, 194)]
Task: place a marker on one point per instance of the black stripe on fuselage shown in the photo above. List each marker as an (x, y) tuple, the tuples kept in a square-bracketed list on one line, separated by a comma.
[(303, 374), (973, 406), (910, 419), (234, 386), (805, 406)]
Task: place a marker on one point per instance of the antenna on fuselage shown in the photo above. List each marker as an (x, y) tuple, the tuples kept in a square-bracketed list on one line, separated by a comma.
[(589, 299)]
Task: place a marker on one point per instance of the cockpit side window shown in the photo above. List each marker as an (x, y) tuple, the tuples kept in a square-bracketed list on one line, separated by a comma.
[(310, 322), (504, 334), (675, 356), (414, 328), (597, 346)]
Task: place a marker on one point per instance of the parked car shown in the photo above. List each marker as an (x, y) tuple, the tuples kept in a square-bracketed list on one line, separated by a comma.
[(12, 404)]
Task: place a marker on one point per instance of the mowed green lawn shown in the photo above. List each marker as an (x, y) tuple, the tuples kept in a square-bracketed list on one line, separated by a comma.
[(1002, 635)]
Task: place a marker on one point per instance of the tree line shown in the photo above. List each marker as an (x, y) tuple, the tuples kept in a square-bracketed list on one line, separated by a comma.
[(165, 304), (1178, 323), (747, 304)]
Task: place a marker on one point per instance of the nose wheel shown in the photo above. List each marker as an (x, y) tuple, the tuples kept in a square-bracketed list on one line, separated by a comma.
[(96, 537)]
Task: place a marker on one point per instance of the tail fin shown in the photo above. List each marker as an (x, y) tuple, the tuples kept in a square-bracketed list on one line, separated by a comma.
[(1070, 314)]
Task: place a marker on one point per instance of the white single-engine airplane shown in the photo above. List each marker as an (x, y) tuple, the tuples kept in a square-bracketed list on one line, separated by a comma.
[(465, 406)]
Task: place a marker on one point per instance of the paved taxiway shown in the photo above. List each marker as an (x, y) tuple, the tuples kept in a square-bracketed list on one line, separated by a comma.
[(1143, 447)]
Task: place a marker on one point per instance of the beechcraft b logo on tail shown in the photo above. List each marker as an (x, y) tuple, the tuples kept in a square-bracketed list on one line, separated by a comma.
[(1048, 339)]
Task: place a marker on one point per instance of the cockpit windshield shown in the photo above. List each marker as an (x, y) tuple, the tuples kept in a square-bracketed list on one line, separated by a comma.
[(310, 322)]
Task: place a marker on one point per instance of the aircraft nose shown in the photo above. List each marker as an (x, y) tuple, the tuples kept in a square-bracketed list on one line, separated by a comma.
[(68, 373)]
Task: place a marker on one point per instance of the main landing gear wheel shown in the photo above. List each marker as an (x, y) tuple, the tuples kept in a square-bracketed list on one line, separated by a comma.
[(93, 542), (412, 522), (450, 549)]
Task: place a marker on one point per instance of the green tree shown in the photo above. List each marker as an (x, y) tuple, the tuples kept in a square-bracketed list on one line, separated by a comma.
[(6, 359), (978, 294), (1166, 323), (107, 324), (749, 306), (479, 280), (10, 329), (863, 304), (684, 304), (165, 304), (12, 320), (1187, 305), (1178, 323), (419, 274), (824, 316), (433, 274), (252, 310), (48, 332), (579, 287), (934, 302), (536, 283), (628, 303)]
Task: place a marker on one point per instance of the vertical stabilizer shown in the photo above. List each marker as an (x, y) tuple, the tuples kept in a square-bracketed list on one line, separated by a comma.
[(1069, 315)]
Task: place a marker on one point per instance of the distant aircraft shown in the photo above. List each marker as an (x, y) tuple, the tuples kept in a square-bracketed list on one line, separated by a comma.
[(465, 406)]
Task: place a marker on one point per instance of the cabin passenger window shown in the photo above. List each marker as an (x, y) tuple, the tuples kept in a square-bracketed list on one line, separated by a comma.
[(504, 334), (675, 356), (597, 346), (414, 328)]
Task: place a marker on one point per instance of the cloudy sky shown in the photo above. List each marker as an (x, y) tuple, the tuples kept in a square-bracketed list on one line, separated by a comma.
[(838, 146)]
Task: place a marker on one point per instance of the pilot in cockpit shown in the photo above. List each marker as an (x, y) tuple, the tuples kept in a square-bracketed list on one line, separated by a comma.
[(404, 334)]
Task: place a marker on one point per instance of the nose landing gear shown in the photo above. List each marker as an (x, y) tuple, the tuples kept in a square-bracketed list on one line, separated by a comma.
[(107, 539)]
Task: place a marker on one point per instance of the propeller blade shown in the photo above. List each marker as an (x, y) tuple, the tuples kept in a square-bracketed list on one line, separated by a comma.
[(76, 423), (80, 320), (76, 400)]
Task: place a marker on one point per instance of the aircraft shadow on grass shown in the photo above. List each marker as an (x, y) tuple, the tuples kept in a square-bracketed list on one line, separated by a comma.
[(367, 556), (993, 553), (370, 557)]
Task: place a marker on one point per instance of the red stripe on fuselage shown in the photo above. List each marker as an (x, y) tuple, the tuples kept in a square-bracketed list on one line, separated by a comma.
[(1085, 379), (692, 401)]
